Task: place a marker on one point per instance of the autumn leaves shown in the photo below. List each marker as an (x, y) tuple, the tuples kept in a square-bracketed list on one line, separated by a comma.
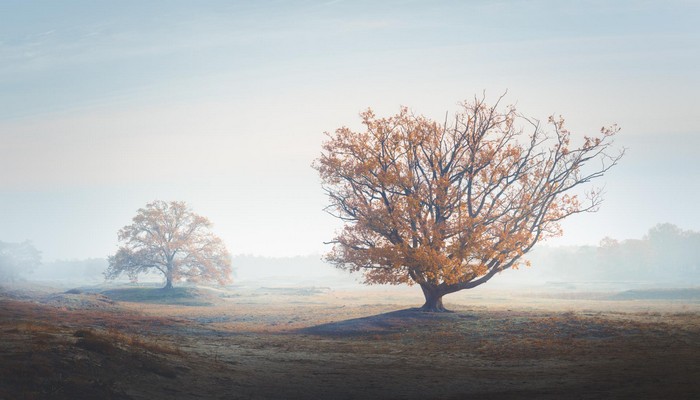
[(448, 205), (445, 205), (169, 238)]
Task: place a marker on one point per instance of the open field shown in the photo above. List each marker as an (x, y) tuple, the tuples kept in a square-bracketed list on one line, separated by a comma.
[(317, 343)]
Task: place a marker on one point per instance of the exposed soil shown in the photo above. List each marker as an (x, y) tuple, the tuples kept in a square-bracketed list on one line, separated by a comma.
[(324, 344)]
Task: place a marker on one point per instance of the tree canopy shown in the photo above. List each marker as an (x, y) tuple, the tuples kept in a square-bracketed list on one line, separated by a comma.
[(173, 240), (447, 205)]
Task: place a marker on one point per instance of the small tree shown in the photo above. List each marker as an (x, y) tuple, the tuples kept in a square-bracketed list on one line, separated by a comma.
[(17, 259), (449, 205), (171, 239)]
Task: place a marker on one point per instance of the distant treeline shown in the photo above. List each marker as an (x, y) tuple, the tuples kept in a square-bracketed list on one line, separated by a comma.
[(293, 270), (17, 260), (665, 254), (90, 269)]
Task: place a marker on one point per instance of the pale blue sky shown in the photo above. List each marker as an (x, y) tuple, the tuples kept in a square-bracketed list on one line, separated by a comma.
[(105, 106)]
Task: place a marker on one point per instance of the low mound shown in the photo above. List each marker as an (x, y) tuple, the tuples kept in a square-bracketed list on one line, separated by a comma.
[(175, 296)]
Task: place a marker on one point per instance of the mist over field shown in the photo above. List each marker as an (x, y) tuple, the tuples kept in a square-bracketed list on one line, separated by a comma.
[(620, 319), (667, 257), (179, 182), (605, 321)]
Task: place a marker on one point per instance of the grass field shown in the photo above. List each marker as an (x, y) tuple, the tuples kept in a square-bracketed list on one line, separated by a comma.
[(317, 343)]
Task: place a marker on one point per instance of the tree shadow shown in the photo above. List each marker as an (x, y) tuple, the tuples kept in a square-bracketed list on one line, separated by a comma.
[(383, 324)]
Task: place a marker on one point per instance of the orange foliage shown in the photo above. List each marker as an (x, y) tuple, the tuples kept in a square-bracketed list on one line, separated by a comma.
[(448, 205), (170, 238)]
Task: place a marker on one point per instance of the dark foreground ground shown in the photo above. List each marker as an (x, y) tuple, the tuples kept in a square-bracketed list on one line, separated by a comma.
[(320, 344)]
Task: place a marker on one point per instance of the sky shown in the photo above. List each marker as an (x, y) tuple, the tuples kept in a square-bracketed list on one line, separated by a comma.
[(106, 106)]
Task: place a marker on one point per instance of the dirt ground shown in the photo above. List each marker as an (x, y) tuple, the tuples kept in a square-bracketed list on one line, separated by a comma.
[(316, 343)]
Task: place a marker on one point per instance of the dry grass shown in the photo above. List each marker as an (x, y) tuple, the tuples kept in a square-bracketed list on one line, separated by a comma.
[(344, 346), (50, 352), (109, 341)]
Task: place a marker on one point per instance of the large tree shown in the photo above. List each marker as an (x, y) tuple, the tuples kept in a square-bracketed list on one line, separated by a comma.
[(448, 205), (168, 237)]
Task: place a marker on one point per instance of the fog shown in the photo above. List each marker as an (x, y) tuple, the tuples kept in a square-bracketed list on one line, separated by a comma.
[(665, 257), (104, 109), (107, 106)]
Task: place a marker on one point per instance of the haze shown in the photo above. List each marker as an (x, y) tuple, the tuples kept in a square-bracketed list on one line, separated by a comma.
[(107, 106)]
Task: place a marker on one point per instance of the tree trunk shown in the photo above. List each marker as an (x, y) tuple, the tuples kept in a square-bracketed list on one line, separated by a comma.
[(433, 299), (168, 280)]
